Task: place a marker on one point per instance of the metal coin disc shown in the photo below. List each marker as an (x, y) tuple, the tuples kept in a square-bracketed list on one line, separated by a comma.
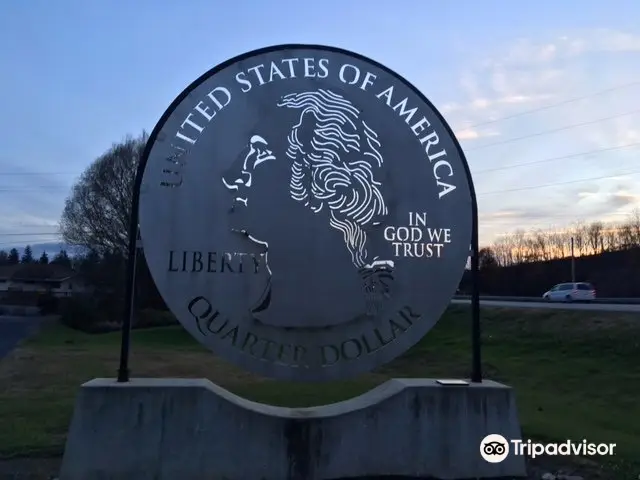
[(306, 213)]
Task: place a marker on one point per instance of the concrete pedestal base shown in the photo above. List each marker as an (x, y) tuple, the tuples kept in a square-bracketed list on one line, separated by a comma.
[(180, 429)]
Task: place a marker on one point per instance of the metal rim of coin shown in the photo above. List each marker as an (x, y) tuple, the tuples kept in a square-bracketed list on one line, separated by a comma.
[(334, 194)]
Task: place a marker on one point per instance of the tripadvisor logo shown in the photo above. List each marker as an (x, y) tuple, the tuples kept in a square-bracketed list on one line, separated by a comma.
[(305, 211), (495, 448)]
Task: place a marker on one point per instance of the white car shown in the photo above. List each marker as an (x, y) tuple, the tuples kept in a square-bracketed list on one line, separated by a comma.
[(571, 292)]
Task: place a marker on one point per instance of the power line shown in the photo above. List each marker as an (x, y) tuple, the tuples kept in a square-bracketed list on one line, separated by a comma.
[(534, 187), (508, 218), (11, 238), (477, 172), (547, 132), (552, 223), (562, 157), (36, 188), (554, 105), (538, 134), (35, 225), (24, 244), (37, 234), (483, 221), (487, 122), (20, 174)]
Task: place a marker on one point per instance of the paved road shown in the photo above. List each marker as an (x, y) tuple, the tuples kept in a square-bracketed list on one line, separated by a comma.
[(557, 306), (15, 329)]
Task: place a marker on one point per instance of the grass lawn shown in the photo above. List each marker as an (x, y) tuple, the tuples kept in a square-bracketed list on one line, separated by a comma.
[(576, 375)]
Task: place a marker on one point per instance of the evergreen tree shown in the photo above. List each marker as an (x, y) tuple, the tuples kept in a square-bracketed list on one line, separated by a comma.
[(4, 258), (44, 258), (14, 257), (61, 258), (27, 255)]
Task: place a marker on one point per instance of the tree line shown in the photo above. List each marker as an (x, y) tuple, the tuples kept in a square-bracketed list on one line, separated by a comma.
[(13, 257), (544, 245), (528, 263)]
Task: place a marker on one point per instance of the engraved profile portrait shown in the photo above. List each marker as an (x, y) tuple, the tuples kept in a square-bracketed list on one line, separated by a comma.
[(333, 161)]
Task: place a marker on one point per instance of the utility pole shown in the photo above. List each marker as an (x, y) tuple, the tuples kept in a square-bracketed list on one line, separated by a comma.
[(573, 263)]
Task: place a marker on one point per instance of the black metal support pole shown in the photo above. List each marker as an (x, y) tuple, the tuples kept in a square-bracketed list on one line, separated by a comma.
[(573, 263), (476, 347), (128, 309)]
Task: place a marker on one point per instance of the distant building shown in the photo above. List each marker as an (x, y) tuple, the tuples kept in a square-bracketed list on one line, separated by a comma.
[(58, 280)]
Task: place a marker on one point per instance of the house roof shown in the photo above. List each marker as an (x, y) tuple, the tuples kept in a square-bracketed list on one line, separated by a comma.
[(36, 272)]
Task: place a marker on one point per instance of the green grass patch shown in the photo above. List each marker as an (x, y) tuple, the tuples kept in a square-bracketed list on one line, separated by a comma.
[(576, 374)]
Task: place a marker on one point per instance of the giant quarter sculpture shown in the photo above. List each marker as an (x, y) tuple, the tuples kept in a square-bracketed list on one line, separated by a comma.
[(305, 212)]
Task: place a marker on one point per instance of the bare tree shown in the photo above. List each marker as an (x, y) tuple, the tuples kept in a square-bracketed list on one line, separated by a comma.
[(610, 236), (559, 244), (542, 245), (503, 250), (531, 252), (625, 236), (519, 246), (487, 258), (634, 223), (579, 241), (628, 232), (594, 236), (526, 249), (96, 214)]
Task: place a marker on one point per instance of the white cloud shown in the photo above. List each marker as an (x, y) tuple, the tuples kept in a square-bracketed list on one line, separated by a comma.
[(473, 134), (22, 218), (527, 52), (480, 103), (514, 92), (604, 40), (450, 107)]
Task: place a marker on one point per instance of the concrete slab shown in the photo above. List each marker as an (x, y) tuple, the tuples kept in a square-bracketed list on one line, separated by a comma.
[(193, 429)]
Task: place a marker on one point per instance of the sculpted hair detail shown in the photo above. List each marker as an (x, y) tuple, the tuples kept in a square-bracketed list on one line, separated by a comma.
[(335, 166)]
